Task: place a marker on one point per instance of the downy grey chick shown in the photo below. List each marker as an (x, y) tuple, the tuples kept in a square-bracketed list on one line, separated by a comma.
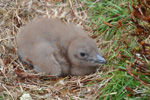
[(57, 49)]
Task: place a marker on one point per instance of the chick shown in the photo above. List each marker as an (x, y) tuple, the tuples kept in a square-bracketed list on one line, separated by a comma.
[(57, 49)]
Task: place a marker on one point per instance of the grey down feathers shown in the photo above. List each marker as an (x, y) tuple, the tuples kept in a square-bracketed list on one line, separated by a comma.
[(57, 49)]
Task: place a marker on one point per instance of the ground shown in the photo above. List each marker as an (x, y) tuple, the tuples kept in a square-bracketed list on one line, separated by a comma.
[(112, 81)]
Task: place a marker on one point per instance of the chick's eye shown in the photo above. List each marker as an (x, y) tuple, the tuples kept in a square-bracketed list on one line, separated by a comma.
[(82, 54)]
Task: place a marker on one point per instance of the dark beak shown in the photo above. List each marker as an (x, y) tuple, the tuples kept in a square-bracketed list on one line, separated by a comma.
[(100, 59)]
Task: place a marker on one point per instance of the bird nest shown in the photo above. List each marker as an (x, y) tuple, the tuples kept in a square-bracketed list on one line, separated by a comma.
[(17, 79)]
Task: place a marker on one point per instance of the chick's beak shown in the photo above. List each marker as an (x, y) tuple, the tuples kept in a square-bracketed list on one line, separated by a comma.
[(100, 59)]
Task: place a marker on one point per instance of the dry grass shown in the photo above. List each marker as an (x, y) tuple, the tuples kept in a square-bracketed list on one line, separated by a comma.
[(17, 13)]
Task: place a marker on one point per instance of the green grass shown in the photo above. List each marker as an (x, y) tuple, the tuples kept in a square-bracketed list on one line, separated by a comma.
[(2, 97), (111, 11)]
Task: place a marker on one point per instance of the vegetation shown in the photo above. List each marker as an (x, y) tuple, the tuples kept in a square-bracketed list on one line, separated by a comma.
[(121, 30), (126, 25)]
